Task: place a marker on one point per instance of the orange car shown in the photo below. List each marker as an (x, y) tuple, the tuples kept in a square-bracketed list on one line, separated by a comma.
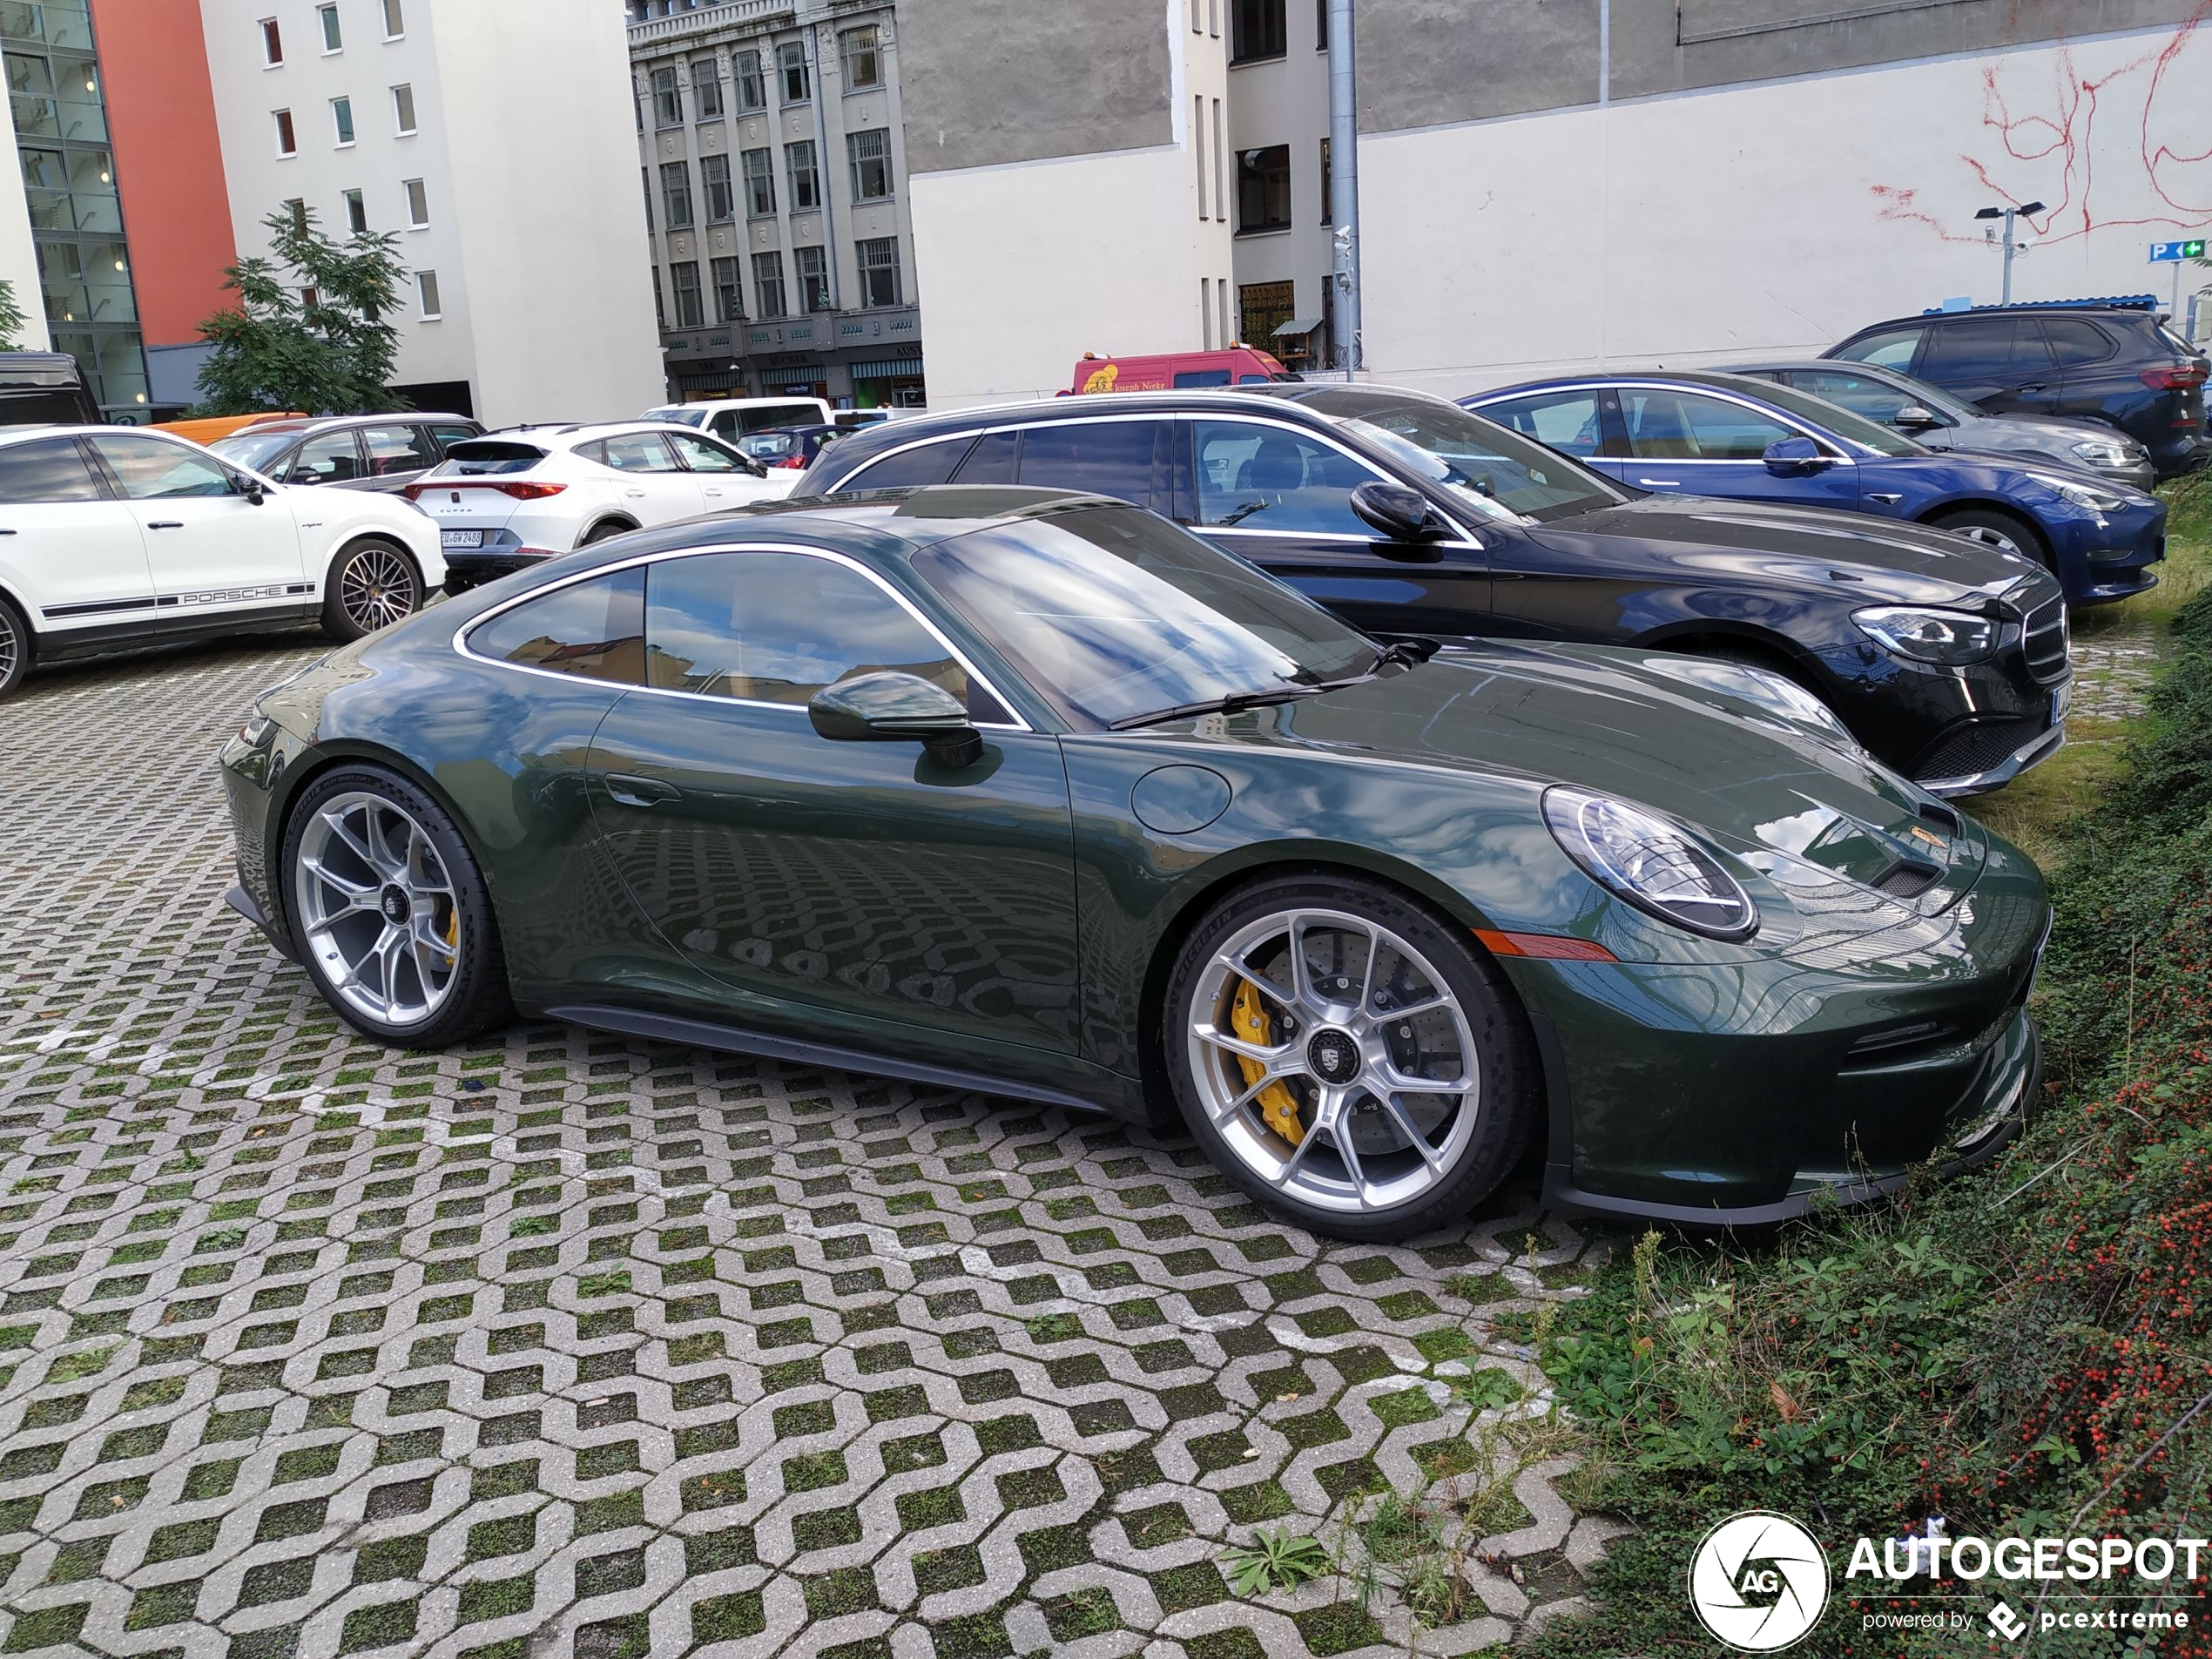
[(209, 428), (1237, 365)]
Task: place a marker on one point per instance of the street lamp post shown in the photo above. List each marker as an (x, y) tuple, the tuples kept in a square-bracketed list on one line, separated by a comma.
[(2008, 214), (1342, 185)]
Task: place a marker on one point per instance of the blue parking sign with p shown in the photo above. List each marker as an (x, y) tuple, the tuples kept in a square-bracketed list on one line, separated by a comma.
[(2167, 253)]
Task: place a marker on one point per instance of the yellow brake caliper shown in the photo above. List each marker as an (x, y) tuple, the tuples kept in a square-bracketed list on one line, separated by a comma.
[(1277, 1106)]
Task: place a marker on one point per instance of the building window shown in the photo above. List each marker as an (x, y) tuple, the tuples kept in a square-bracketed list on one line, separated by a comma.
[(1198, 147), (333, 39), (356, 212), (1257, 29), (1328, 190), (806, 177), (296, 210), (660, 311), (870, 153), (729, 293), (645, 176), (1205, 311), (403, 109), (861, 51), (418, 204), (759, 183), (676, 195), (1262, 308), (707, 89), (791, 65), (272, 41), (287, 142), (721, 199), (689, 312), (1320, 25), (395, 19), (768, 284), (667, 97), (880, 271), (812, 266), (341, 120), (744, 70), (1263, 189), (428, 282)]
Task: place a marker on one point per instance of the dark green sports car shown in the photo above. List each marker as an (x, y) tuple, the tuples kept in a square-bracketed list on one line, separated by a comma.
[(1036, 794)]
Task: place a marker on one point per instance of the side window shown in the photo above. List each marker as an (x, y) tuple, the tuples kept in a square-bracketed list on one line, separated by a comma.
[(1860, 393), (151, 470), (700, 455), (397, 448), (1265, 478), (49, 470), (928, 463), (1187, 378), (778, 627), (2073, 341), (1892, 348), (326, 458), (1687, 426), (1563, 421), (454, 433), (1973, 349), (593, 630), (1106, 457), (991, 461), (638, 452)]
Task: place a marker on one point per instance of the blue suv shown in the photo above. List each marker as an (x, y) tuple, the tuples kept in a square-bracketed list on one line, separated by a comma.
[(1730, 435)]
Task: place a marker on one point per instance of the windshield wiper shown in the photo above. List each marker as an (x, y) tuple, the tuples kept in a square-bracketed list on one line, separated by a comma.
[(1235, 703)]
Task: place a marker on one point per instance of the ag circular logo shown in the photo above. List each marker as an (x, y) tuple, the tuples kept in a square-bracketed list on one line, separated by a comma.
[(1758, 1581)]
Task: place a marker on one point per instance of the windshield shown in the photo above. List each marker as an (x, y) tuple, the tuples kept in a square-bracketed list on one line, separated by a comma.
[(769, 446), (676, 413), (1498, 474), (1113, 614), (1855, 428), (254, 449)]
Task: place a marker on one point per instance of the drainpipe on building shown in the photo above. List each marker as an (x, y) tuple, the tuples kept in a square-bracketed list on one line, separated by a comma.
[(1344, 185)]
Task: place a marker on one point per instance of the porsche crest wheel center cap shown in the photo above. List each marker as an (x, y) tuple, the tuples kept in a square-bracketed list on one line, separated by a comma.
[(1334, 1056), (395, 905)]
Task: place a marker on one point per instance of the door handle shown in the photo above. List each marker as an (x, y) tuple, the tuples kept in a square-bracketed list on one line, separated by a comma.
[(166, 524), (635, 495), (640, 792), (2030, 386), (1662, 484)]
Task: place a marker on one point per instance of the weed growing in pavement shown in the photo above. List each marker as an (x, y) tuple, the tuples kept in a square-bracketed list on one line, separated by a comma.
[(1276, 1561)]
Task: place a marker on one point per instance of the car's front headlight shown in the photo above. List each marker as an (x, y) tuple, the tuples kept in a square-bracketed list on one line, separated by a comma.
[(1655, 866), (257, 729), (1777, 693), (1949, 637), (2095, 497), (2103, 452)]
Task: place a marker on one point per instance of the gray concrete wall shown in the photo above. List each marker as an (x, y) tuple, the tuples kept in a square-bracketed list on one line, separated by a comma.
[(986, 82), (1427, 62)]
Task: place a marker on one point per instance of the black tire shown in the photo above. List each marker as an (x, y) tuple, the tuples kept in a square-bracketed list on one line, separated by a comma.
[(477, 998), (604, 532), (1994, 528), (16, 647), (1507, 1095), (372, 583)]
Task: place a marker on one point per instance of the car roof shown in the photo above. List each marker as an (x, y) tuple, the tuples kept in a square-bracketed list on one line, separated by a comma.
[(559, 434), (1742, 385), (326, 423), (2110, 310)]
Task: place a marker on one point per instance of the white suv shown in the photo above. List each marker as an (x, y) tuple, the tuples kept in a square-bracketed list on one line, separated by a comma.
[(733, 417), (112, 538), (506, 501)]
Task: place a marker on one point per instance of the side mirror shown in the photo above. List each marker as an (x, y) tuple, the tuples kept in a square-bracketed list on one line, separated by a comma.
[(1789, 457), (1401, 516), (252, 488), (1913, 418), (890, 707)]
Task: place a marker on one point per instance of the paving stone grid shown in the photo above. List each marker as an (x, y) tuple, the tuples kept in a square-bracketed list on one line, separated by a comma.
[(568, 1345)]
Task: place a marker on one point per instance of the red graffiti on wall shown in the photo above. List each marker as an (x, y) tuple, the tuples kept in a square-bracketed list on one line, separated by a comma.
[(2094, 130)]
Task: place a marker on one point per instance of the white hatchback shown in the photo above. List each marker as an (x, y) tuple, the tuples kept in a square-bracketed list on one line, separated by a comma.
[(506, 501), (112, 538)]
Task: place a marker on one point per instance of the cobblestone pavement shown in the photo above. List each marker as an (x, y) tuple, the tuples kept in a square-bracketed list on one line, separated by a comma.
[(567, 1344)]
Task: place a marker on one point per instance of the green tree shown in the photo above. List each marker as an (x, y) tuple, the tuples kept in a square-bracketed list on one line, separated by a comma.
[(12, 321), (309, 330)]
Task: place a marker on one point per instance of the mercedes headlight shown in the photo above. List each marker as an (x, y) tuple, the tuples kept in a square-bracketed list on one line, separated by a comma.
[(2102, 452), (1651, 863), (2095, 497), (1948, 638)]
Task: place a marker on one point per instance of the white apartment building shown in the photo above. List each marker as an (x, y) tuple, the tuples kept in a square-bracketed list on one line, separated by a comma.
[(493, 136), (772, 137)]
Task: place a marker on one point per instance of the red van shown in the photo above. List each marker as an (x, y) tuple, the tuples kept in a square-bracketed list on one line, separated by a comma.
[(1238, 365)]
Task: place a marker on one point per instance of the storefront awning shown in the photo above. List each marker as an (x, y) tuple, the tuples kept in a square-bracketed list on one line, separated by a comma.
[(1298, 326), (887, 368)]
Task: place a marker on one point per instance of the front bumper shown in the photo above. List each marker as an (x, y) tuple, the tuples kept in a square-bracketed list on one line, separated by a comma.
[(2103, 556)]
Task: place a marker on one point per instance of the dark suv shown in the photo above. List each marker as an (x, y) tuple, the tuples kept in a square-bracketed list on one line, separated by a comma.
[(1410, 516), (2116, 363)]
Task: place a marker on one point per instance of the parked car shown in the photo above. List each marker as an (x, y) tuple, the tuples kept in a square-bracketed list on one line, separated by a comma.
[(44, 388), (206, 428), (1742, 439), (116, 537), (1180, 371), (1040, 795), (790, 449), (1935, 420), (508, 500), (1407, 515), (732, 417), (2119, 365), (872, 417), (385, 452)]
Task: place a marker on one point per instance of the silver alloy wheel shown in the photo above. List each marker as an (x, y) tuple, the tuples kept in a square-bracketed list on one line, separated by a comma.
[(378, 907), (10, 646), (1990, 536), (375, 588), (1359, 1032)]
